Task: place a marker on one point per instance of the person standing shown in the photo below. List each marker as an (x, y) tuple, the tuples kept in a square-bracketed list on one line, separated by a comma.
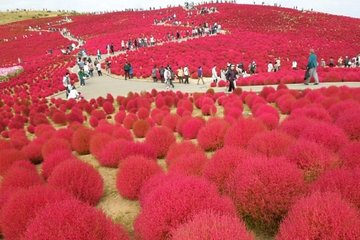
[(153, 73), (167, 77), (108, 66), (270, 67), (186, 74), (131, 71), (98, 68), (180, 75), (200, 75), (82, 76), (231, 77), (294, 65), (311, 68), (127, 70), (66, 83), (98, 54), (214, 74)]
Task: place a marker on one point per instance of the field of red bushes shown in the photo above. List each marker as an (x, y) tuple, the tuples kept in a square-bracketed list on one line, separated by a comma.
[(279, 164)]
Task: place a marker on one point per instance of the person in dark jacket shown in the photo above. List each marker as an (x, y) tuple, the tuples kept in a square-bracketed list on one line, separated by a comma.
[(231, 77)]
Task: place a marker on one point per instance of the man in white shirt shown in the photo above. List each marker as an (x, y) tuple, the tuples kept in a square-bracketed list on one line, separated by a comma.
[(73, 94), (186, 74), (270, 67), (214, 74), (66, 82), (294, 65)]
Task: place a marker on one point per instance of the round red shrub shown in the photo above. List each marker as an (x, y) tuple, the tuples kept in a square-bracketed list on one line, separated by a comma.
[(123, 133), (160, 138), (54, 144), (21, 175), (294, 127), (189, 164), (211, 137), (326, 134), (79, 179), (59, 118), (312, 112), (120, 116), (134, 171), (222, 165), (80, 140), (97, 143), (140, 128), (350, 154), (177, 150), (321, 216), (22, 207), (212, 225), (264, 189), (143, 113), (32, 151), (129, 120), (242, 131), (72, 220), (108, 107), (191, 127), (170, 121), (349, 121), (54, 159), (185, 197), (312, 157), (343, 181), (271, 143), (8, 157)]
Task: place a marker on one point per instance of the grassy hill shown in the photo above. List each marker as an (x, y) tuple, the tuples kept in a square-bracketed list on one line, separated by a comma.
[(19, 15)]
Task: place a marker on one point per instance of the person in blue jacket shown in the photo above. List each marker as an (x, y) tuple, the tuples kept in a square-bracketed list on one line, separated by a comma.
[(311, 68)]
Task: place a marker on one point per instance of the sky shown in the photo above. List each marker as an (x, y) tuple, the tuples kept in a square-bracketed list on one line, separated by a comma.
[(337, 7)]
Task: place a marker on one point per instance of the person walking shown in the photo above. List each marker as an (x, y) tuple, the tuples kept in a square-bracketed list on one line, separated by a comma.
[(82, 76), (98, 54), (127, 70), (214, 74), (180, 75), (311, 69), (231, 77), (153, 73), (186, 74), (167, 77), (200, 75), (66, 83)]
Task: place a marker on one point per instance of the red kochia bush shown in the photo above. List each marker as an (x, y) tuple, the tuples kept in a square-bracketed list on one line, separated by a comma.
[(313, 158), (177, 150), (108, 107), (54, 159), (264, 205), (321, 216), (80, 140), (176, 201), (349, 121), (79, 179), (222, 165), (22, 207), (343, 181), (98, 142), (160, 138), (350, 154), (134, 171), (211, 137), (191, 127), (271, 143), (326, 134), (192, 164), (72, 220), (8, 157), (140, 128), (212, 225), (242, 131), (54, 144)]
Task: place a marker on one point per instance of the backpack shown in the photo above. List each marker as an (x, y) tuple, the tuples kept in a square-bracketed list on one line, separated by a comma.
[(126, 67)]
